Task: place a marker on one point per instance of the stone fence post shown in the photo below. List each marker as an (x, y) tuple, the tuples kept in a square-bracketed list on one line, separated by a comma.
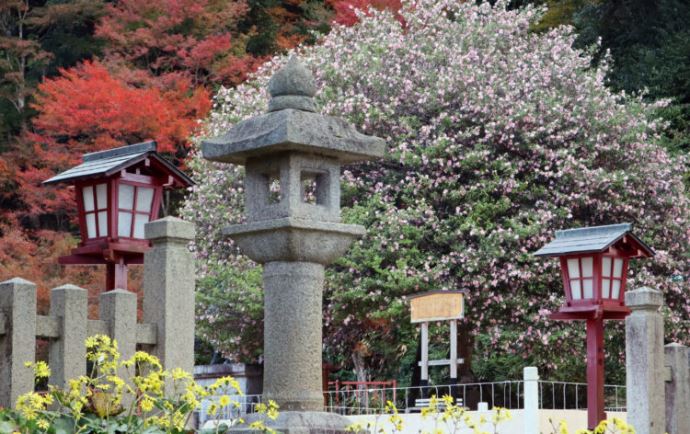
[(677, 389), (67, 358), (169, 282), (644, 361), (18, 340), (118, 309)]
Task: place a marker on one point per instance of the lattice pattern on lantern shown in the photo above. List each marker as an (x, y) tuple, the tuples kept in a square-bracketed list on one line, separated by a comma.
[(594, 264), (118, 191)]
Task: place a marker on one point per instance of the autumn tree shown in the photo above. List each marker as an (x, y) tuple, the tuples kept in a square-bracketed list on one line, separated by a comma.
[(21, 61), (87, 109), (37, 38), (196, 38)]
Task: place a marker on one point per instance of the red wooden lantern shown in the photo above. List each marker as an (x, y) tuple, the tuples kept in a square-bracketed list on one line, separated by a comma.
[(594, 267), (118, 191)]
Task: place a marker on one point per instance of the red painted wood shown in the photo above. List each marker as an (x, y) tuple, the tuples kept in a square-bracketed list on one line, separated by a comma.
[(595, 372), (566, 282), (80, 212), (116, 276), (596, 279)]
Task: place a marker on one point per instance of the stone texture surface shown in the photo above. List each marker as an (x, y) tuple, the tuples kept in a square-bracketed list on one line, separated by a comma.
[(290, 170), (645, 367), (169, 280), (292, 130), (301, 422), (292, 87), (644, 299), (294, 79), (18, 344), (67, 358), (678, 389), (119, 309), (291, 239), (292, 334), (170, 229)]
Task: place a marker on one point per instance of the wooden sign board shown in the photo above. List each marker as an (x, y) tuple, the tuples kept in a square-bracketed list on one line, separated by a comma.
[(437, 306)]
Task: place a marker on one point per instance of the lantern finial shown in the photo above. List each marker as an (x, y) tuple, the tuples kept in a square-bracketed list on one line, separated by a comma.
[(292, 87)]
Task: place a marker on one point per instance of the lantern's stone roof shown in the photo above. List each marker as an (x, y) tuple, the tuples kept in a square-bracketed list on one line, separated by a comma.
[(595, 239), (292, 124), (106, 163)]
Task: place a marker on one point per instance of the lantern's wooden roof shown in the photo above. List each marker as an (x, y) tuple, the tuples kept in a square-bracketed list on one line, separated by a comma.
[(594, 239), (107, 163)]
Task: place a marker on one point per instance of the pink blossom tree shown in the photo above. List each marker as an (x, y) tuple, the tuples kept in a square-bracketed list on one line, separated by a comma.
[(497, 137)]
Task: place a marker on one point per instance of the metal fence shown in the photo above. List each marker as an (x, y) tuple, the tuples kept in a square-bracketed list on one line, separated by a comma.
[(372, 400), (562, 395), (240, 406), (553, 395)]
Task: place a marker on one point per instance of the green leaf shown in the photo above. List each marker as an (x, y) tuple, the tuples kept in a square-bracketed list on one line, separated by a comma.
[(7, 427)]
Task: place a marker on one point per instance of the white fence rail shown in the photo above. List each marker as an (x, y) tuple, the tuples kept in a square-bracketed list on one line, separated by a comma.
[(552, 395)]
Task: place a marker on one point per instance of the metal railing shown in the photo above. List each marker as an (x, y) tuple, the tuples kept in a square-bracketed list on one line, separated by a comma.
[(562, 395), (372, 400), (553, 395), (240, 405)]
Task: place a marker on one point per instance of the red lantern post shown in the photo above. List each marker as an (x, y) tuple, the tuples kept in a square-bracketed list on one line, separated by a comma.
[(594, 266), (118, 191)]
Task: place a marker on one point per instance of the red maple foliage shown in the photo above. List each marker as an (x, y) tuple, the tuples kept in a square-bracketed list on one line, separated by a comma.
[(345, 9), (88, 109), (192, 37)]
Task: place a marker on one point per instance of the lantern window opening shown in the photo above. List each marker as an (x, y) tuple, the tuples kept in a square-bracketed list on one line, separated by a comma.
[(314, 188), (612, 277), (135, 207), (95, 203), (581, 277), (273, 188)]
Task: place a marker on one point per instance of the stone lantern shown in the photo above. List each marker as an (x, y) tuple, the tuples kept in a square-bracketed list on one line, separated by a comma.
[(293, 156)]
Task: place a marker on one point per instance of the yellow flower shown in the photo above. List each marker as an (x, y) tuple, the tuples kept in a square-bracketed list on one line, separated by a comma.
[(30, 404), (41, 369), (272, 412), (180, 374), (224, 401), (355, 427), (147, 403)]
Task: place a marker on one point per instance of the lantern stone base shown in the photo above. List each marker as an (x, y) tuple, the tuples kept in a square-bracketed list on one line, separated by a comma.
[(299, 422)]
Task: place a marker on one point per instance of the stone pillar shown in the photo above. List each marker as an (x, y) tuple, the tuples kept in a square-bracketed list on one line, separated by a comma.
[(644, 355), (677, 389), (18, 343), (68, 304), (530, 376), (169, 281), (119, 309), (292, 334)]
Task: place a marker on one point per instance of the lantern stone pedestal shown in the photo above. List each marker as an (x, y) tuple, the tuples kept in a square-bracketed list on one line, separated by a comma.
[(293, 156)]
